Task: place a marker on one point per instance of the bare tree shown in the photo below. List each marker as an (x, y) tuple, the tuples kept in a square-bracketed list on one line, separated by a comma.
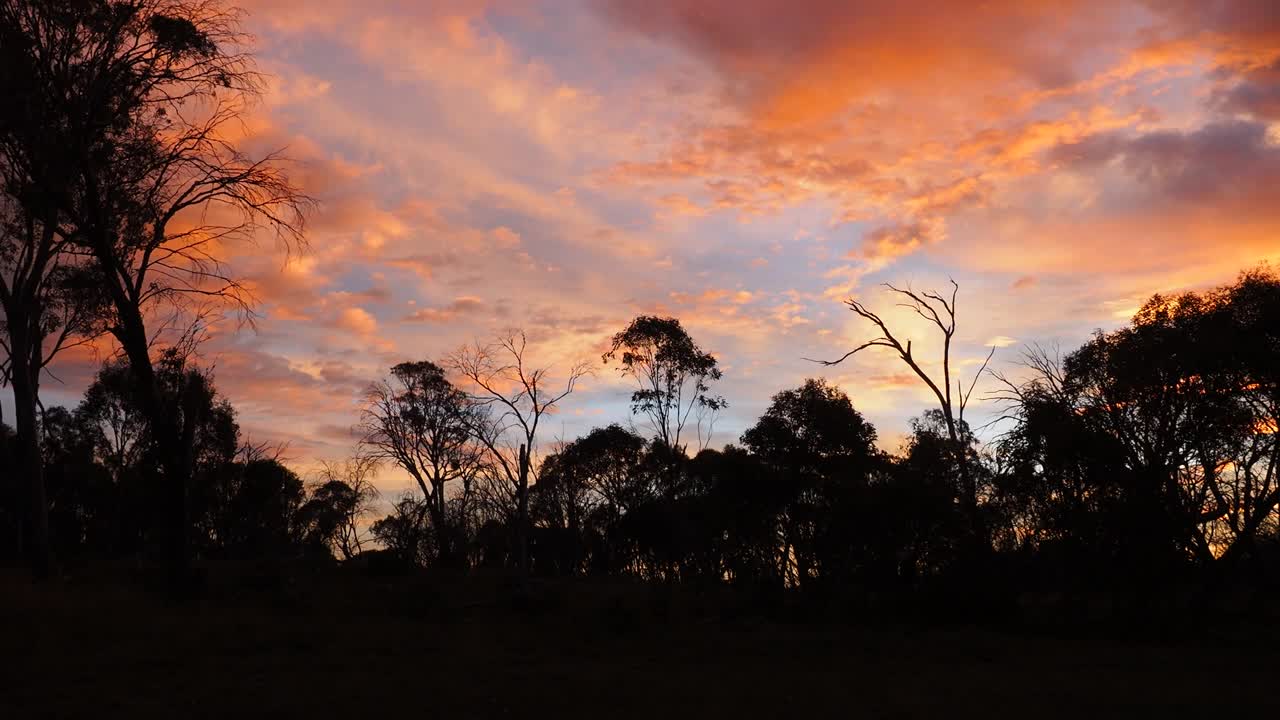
[(516, 396), (494, 496), (939, 312)]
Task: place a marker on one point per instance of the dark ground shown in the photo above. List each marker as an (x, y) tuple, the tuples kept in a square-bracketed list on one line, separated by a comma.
[(353, 646)]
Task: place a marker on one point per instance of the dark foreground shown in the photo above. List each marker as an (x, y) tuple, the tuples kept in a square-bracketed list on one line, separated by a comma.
[(381, 648)]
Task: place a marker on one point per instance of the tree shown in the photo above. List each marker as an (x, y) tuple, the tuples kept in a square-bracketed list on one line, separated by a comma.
[(84, 501), (515, 396), (402, 533), (562, 497), (673, 373), (1245, 316), (47, 301), (424, 424), (926, 522), (584, 489), (1140, 386), (124, 442), (820, 449), (813, 430), (114, 422), (9, 502), (728, 524), (341, 496), (1153, 441), (143, 96), (261, 512), (609, 461), (1059, 481), (939, 312)]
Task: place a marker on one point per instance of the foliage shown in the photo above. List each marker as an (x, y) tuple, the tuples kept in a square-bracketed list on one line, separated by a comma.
[(673, 373)]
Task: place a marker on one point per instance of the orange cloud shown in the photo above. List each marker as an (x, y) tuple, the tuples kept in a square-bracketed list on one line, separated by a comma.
[(357, 320), (460, 307), (1063, 158), (793, 66), (893, 241)]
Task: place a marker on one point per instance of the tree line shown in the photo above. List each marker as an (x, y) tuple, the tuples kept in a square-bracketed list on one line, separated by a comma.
[(1147, 457)]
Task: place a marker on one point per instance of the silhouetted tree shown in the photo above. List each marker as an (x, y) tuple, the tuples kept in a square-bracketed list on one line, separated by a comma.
[(140, 96), (610, 462), (1060, 483), (1151, 440), (86, 512), (105, 477), (125, 443), (737, 524), (259, 516), (425, 425), (1245, 489), (404, 534), (926, 500), (588, 485), (115, 424), (46, 301), (673, 373), (341, 496), (515, 397), (10, 503), (821, 450), (940, 312), (560, 502)]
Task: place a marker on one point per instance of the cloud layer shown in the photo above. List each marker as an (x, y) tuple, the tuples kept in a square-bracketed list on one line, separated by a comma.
[(744, 165)]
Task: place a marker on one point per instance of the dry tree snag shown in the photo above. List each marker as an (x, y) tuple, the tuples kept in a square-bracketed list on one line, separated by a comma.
[(940, 312), (515, 397)]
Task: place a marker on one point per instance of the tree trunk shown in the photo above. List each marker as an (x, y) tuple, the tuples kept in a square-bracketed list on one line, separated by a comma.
[(171, 437), (30, 462), (131, 332), (444, 539), (522, 529)]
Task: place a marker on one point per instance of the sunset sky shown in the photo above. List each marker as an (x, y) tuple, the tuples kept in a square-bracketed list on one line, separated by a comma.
[(563, 166)]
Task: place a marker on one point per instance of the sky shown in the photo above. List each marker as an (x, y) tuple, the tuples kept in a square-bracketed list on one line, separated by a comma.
[(562, 166)]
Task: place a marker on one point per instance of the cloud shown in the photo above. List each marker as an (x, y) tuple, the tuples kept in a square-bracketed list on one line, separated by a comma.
[(789, 66), (681, 205), (357, 320), (894, 380), (743, 165), (918, 118), (505, 237), (1255, 92), (1227, 166), (891, 241), (460, 307)]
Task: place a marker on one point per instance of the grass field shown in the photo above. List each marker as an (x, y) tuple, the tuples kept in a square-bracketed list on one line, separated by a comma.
[(357, 647)]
